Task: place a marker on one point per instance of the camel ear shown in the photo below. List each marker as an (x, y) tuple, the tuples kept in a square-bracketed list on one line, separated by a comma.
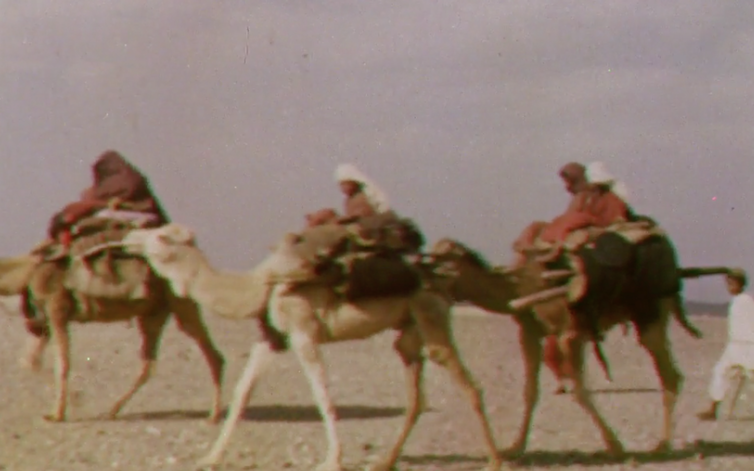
[(164, 238), (177, 235), (292, 238)]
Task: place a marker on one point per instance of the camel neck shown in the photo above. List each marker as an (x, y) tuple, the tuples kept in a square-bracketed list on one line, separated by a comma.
[(226, 293), (489, 291)]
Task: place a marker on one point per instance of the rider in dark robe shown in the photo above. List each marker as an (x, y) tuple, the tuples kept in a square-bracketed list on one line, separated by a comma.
[(119, 191)]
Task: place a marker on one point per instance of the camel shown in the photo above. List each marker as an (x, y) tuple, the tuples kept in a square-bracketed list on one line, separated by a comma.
[(499, 290), (305, 316), (50, 307)]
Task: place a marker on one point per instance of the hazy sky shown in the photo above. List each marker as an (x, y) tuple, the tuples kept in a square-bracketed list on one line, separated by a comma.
[(239, 112)]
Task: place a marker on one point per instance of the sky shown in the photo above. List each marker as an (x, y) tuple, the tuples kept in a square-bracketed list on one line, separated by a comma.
[(240, 111)]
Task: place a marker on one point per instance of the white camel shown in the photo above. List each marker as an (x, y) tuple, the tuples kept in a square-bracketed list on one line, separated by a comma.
[(306, 316)]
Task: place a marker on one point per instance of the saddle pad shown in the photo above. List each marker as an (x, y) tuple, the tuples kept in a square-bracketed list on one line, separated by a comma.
[(378, 276), (100, 277), (612, 250)]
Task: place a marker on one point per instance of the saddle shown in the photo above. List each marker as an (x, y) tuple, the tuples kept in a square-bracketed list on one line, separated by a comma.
[(95, 270), (633, 232), (386, 233), (363, 276), (364, 259), (606, 258)]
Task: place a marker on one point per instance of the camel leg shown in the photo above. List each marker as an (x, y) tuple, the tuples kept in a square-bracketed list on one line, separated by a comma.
[(258, 359), (61, 337), (433, 321), (655, 340), (35, 347), (574, 350), (189, 320), (530, 339), (151, 325), (408, 346), (310, 357)]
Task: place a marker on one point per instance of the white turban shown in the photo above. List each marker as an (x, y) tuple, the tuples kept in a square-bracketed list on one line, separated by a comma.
[(376, 197), (621, 190), (597, 173)]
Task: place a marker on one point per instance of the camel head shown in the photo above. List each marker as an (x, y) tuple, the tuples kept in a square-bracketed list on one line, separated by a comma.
[(466, 262), (468, 266), (170, 250), (522, 287), (284, 262)]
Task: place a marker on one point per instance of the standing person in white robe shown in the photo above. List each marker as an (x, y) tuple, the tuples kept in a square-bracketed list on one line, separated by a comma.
[(740, 348)]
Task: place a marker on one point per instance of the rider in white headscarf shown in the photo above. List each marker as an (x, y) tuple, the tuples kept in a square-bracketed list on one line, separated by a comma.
[(598, 174), (363, 197)]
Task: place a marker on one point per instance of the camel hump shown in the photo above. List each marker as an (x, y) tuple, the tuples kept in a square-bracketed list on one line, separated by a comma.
[(102, 276), (378, 275)]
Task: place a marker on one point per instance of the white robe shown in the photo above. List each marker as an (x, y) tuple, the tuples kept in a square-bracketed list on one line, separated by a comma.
[(740, 348)]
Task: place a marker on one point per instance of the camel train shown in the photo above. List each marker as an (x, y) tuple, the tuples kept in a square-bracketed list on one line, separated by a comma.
[(301, 300), (115, 256)]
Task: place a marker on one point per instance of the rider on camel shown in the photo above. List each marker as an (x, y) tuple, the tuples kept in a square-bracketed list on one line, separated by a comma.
[(363, 198), (598, 200), (596, 205), (119, 191), (574, 177)]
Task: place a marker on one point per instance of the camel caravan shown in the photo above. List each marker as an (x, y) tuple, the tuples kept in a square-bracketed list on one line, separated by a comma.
[(114, 256)]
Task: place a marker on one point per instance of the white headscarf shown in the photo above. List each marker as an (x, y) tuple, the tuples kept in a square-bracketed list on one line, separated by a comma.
[(375, 195), (597, 173)]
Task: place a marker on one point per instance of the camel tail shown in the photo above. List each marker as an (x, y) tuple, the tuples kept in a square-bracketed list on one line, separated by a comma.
[(602, 359), (681, 315), (698, 272)]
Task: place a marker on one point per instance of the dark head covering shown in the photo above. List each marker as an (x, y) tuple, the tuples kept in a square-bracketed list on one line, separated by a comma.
[(116, 177), (739, 274), (574, 175)]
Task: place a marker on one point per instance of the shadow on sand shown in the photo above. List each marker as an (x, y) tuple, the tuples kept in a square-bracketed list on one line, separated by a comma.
[(545, 459), (275, 413), (625, 391)]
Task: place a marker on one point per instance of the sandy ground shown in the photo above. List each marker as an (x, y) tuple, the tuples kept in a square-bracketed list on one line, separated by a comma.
[(163, 427)]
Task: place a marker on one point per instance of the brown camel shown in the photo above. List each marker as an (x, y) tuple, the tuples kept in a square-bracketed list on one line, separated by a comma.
[(50, 305), (304, 316), (547, 312)]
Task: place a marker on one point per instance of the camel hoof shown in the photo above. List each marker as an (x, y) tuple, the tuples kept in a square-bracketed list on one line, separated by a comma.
[(615, 449), (663, 446), (493, 466), (54, 418), (33, 365), (514, 452), (380, 466), (112, 414), (108, 416), (707, 416), (214, 419), (207, 463), (328, 466)]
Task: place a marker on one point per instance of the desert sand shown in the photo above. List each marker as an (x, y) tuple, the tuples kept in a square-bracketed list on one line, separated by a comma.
[(163, 427)]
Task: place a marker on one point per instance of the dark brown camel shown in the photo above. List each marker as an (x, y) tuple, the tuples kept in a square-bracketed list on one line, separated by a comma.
[(548, 312)]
